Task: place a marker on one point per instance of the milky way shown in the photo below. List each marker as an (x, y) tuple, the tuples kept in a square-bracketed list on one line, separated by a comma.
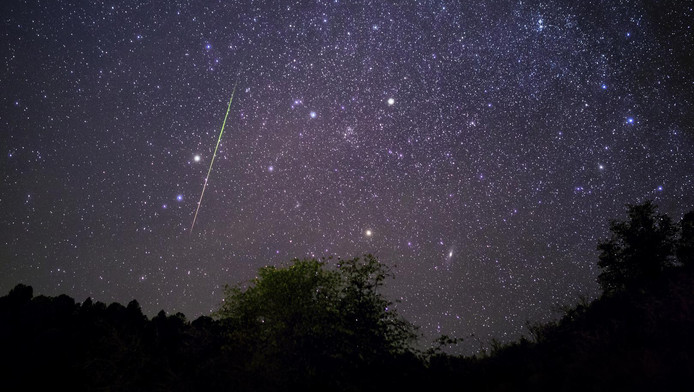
[(480, 147)]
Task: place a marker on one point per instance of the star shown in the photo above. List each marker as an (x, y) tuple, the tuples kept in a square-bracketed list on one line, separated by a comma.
[(391, 101), (196, 158)]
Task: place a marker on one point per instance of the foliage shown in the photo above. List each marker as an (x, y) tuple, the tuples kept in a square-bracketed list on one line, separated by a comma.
[(639, 249), (309, 319)]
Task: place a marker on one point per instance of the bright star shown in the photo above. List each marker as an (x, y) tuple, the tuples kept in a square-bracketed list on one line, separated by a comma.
[(368, 233), (179, 197), (270, 168), (196, 158), (313, 114), (391, 101)]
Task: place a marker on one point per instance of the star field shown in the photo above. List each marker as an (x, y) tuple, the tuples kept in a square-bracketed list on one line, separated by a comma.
[(481, 147)]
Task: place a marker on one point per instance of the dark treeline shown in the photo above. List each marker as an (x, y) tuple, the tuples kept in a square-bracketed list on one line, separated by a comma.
[(323, 325)]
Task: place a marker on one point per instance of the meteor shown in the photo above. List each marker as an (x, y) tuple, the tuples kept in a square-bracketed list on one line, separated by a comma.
[(219, 139)]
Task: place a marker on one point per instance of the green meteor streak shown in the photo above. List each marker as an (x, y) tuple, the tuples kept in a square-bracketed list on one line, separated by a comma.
[(219, 139)]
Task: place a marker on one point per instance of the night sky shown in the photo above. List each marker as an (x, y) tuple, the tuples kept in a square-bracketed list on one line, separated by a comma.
[(481, 147)]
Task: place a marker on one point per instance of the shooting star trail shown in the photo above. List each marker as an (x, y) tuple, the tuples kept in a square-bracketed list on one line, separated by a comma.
[(219, 139)]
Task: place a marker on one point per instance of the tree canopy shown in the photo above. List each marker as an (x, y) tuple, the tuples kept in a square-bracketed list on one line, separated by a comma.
[(312, 316), (639, 249)]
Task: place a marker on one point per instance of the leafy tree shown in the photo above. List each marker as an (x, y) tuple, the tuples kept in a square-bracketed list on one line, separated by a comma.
[(639, 249), (368, 316), (308, 320)]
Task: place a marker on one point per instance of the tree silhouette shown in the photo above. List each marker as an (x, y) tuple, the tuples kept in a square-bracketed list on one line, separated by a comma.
[(685, 245), (638, 249), (306, 321)]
